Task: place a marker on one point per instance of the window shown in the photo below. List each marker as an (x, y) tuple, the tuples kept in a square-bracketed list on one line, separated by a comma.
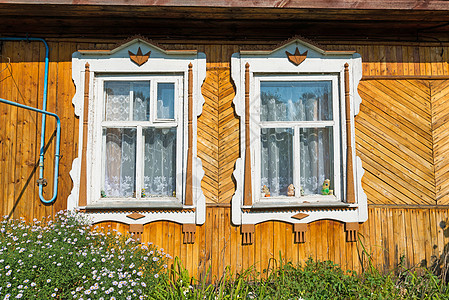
[(299, 137), (297, 105), (138, 106), (142, 137)]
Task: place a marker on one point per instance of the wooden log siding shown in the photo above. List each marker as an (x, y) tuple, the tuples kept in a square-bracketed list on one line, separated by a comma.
[(400, 136)]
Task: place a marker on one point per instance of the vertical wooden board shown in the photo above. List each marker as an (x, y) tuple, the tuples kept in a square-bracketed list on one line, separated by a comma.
[(328, 236), (33, 158), (221, 241), (400, 60), (208, 242), (382, 60), (233, 246), (336, 242), (215, 243), (409, 258), (417, 61), (66, 112), (11, 130), (19, 201), (201, 242), (390, 58), (365, 61), (277, 240), (426, 233), (405, 60), (434, 236), (289, 242), (391, 241), (227, 231)]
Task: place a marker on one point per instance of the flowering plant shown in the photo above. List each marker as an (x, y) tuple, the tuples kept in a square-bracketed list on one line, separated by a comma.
[(65, 258)]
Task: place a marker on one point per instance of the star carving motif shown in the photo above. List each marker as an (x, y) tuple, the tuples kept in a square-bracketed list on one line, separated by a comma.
[(139, 58), (296, 58)]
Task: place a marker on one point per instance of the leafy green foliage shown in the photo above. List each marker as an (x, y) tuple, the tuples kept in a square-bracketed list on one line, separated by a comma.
[(64, 257)]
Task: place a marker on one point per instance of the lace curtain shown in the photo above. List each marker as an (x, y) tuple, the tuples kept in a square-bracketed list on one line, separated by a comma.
[(160, 162), (159, 145), (120, 162), (296, 101)]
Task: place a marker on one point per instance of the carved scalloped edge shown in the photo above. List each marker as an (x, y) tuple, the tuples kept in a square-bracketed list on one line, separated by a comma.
[(292, 210), (286, 42)]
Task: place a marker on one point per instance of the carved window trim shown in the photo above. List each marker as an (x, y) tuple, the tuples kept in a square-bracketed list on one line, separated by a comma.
[(89, 70), (312, 60)]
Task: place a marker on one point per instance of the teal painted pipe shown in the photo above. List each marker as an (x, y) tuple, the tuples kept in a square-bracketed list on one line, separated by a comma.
[(44, 121)]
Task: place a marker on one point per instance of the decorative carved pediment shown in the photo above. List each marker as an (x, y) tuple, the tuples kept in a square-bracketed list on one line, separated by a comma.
[(139, 58), (297, 58)]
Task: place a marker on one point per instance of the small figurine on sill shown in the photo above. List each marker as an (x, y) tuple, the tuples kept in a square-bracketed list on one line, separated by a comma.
[(103, 194), (301, 191), (326, 185), (142, 194), (291, 190), (265, 191)]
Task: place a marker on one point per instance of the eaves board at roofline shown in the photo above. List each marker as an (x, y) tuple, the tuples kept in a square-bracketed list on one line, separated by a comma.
[(306, 4)]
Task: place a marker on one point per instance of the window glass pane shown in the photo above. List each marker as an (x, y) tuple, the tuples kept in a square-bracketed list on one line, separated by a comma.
[(295, 100), (165, 100), (120, 162), (141, 110), (159, 162), (117, 101), (317, 159), (276, 159)]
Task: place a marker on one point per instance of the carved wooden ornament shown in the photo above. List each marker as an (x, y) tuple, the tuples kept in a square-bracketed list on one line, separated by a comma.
[(139, 58), (351, 231), (300, 216), (300, 232), (135, 216), (297, 58), (136, 230), (248, 234), (189, 231)]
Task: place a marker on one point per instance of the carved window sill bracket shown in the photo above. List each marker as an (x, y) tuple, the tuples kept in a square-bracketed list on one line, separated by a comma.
[(300, 232), (351, 230), (248, 234), (136, 230), (189, 231)]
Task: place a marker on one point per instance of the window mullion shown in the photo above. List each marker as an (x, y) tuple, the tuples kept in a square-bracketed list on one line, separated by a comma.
[(297, 161), (139, 162), (131, 101)]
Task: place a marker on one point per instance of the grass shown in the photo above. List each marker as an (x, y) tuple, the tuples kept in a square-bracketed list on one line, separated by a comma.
[(66, 258)]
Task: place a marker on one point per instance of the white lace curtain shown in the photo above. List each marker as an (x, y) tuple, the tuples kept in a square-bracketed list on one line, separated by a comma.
[(296, 102), (159, 145)]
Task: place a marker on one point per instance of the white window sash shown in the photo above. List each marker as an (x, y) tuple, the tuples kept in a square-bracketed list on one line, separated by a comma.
[(99, 125), (256, 125)]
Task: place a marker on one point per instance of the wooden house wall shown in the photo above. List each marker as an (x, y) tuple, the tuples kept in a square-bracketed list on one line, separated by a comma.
[(401, 137)]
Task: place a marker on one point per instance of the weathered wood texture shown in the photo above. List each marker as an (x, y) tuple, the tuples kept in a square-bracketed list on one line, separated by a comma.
[(401, 137)]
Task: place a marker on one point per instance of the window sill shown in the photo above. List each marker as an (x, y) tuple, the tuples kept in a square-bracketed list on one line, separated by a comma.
[(136, 204), (261, 205)]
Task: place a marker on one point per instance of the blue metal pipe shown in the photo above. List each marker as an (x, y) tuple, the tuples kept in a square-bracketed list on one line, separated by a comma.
[(58, 137), (45, 113)]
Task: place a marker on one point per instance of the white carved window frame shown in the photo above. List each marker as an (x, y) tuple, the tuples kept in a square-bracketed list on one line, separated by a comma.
[(161, 64), (274, 63)]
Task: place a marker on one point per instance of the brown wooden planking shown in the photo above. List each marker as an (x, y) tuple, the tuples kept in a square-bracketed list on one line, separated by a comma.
[(303, 250)]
